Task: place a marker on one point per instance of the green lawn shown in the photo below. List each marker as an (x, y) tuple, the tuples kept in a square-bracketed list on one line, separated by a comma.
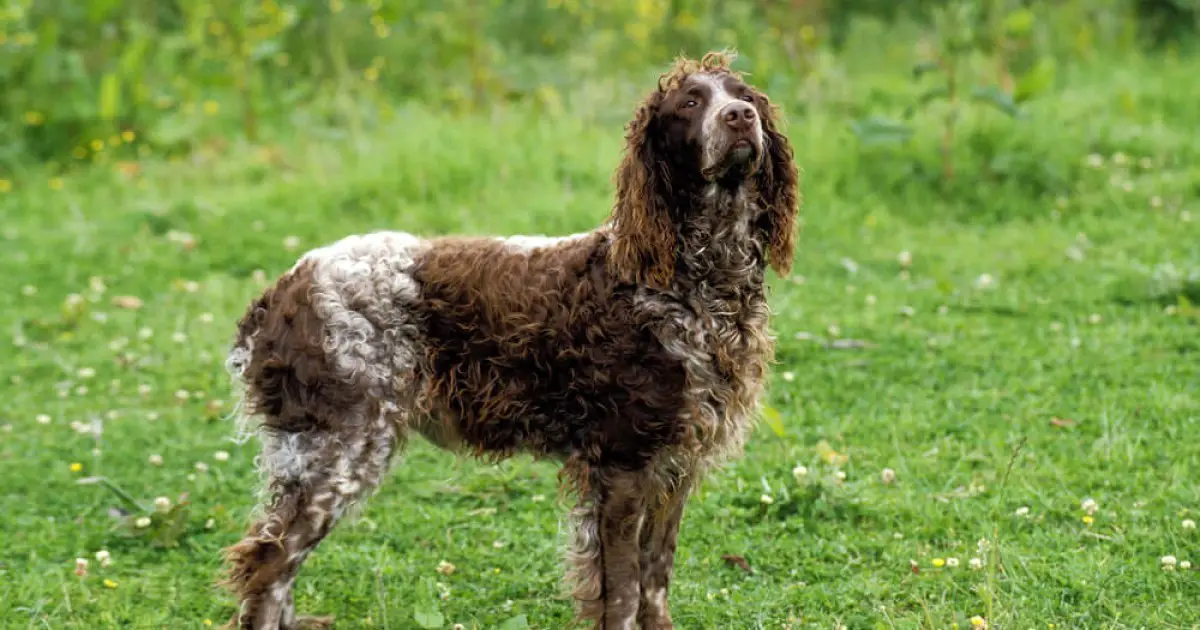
[(1036, 353)]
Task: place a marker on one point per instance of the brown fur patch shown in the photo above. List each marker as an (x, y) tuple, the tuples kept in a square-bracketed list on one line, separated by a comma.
[(543, 351)]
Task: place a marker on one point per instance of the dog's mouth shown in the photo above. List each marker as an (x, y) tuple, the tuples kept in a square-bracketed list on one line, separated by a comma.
[(738, 160), (741, 152)]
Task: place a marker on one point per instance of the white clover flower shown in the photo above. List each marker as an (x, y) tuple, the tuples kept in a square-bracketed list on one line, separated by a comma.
[(1168, 563), (800, 472), (1022, 512), (952, 562), (904, 258), (81, 565), (142, 522), (766, 499), (1188, 523), (156, 460), (162, 504), (887, 476), (221, 456), (201, 467), (1185, 565), (42, 418), (1089, 505), (976, 564), (179, 337), (103, 557)]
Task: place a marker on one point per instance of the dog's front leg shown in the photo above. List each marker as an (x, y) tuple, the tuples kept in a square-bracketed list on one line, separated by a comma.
[(607, 554), (659, 533)]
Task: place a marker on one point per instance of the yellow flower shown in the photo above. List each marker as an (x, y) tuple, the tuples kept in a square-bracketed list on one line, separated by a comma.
[(5, 186), (97, 145), (208, 622), (55, 183), (212, 108), (978, 622), (128, 135), (76, 467), (110, 584), (1088, 520), (939, 562)]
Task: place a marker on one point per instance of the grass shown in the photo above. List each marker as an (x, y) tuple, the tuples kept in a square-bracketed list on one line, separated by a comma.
[(1038, 351)]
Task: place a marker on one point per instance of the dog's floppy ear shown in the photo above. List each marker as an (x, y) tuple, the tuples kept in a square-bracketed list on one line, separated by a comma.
[(643, 246), (778, 185)]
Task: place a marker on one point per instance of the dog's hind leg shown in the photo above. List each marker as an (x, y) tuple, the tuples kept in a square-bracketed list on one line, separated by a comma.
[(314, 475)]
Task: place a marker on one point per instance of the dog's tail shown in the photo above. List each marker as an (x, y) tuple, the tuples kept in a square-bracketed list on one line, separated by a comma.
[(239, 359)]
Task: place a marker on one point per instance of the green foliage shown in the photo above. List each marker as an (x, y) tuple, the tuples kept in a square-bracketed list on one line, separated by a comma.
[(111, 82), (970, 38)]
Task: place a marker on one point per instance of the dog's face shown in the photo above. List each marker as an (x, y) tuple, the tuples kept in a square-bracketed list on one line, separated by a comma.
[(712, 121)]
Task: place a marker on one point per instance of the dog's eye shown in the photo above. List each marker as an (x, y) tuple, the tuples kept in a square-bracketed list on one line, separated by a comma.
[(690, 103), (749, 98)]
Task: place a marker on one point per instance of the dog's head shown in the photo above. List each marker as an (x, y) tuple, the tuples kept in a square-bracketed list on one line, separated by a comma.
[(703, 125)]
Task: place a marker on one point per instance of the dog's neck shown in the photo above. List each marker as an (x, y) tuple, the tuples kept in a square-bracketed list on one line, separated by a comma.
[(720, 249)]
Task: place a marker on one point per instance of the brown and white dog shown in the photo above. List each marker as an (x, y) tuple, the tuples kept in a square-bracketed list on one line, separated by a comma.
[(634, 354)]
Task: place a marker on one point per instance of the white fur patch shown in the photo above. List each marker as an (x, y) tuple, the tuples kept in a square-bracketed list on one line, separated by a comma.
[(362, 285), (529, 242)]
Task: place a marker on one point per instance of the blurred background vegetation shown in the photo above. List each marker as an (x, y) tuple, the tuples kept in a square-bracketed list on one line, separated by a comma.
[(112, 81)]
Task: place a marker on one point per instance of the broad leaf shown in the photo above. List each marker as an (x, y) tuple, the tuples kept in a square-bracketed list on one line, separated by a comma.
[(516, 623), (774, 420), (920, 69), (880, 131), (994, 96), (429, 618), (1035, 81)]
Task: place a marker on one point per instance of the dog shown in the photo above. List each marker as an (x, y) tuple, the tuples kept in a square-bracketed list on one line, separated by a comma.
[(634, 354)]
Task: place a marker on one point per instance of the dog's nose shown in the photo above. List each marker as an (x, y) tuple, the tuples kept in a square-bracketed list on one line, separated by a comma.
[(739, 115)]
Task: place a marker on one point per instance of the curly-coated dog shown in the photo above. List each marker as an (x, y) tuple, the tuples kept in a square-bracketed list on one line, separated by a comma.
[(634, 354)]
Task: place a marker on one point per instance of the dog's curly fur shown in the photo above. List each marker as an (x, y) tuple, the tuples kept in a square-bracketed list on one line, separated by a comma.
[(634, 354)]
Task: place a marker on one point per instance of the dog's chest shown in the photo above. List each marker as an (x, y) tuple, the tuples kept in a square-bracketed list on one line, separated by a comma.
[(723, 347)]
